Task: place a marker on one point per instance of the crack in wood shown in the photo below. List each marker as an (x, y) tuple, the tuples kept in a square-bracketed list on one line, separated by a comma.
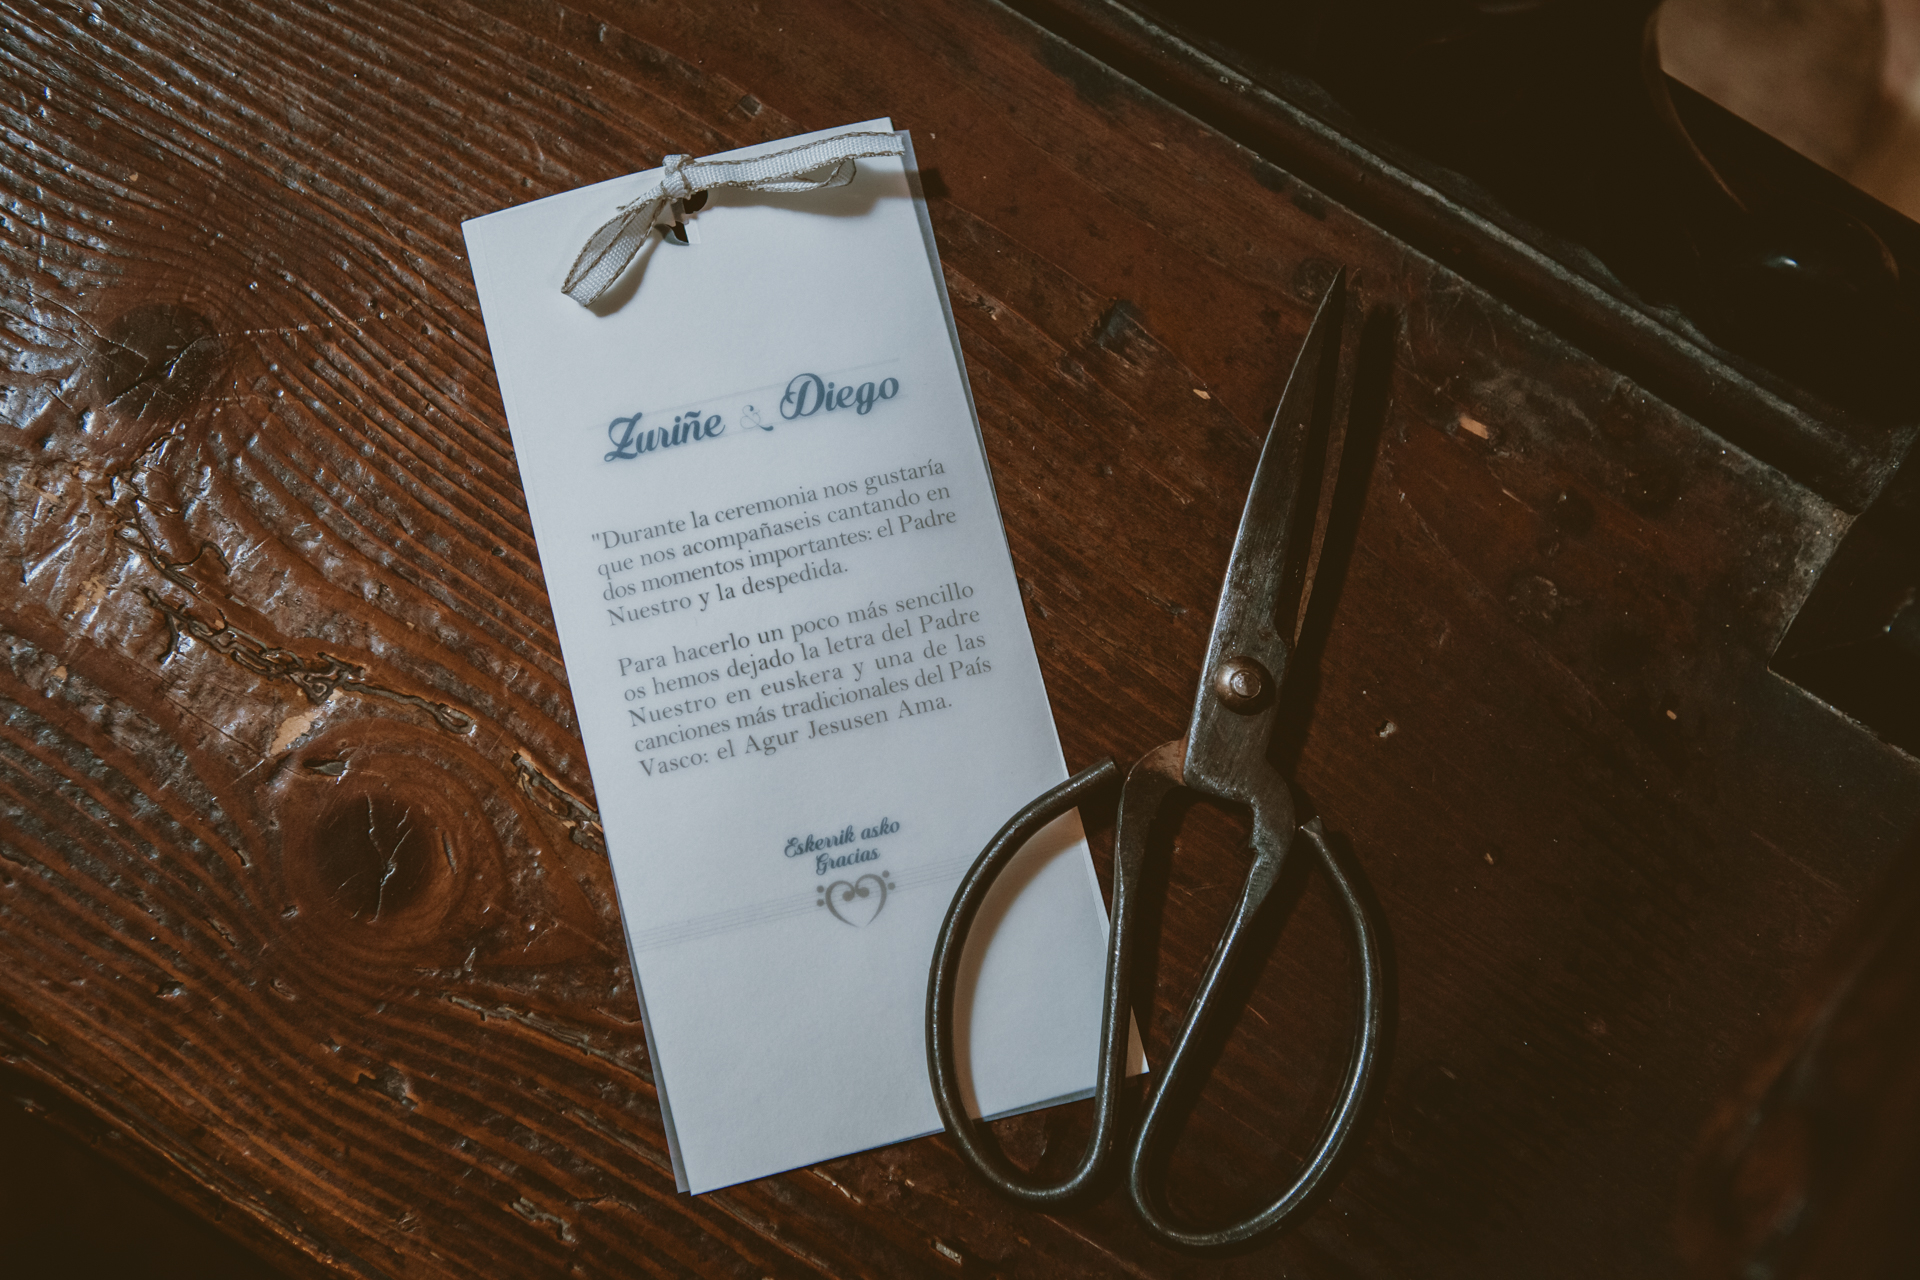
[(319, 678), (533, 1022), (534, 1214), (126, 497), (620, 1140), (581, 819)]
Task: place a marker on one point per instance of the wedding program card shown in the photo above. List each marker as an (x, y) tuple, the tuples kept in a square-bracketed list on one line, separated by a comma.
[(799, 658)]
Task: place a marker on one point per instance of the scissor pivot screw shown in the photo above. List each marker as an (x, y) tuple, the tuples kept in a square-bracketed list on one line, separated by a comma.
[(1241, 683)]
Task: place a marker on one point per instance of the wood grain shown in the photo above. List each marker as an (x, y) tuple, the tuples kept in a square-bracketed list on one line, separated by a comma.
[(300, 882), (1809, 1167)]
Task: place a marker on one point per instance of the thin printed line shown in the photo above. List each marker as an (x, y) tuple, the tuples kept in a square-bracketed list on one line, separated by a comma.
[(947, 870)]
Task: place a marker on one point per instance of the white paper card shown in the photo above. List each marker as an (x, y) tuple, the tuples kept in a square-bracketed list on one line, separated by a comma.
[(799, 658)]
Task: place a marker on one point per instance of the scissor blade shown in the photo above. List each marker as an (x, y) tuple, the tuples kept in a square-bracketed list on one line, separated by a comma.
[(1260, 576)]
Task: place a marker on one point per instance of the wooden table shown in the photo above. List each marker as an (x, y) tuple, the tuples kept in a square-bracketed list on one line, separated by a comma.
[(302, 892)]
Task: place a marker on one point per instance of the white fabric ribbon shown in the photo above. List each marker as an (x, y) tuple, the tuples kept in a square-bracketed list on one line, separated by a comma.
[(609, 250)]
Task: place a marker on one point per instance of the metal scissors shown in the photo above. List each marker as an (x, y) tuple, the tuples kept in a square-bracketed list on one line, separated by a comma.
[(1223, 756)]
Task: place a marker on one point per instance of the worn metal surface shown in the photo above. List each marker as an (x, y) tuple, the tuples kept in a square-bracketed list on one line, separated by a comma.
[(301, 886)]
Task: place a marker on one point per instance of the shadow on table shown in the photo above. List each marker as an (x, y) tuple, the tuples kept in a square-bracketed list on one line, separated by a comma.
[(68, 1211)]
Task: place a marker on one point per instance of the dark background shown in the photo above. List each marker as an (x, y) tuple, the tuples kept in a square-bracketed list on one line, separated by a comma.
[(1826, 78)]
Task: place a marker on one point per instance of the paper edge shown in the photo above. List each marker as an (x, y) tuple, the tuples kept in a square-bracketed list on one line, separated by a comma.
[(1079, 1095), (478, 267), (1136, 1046), (476, 255)]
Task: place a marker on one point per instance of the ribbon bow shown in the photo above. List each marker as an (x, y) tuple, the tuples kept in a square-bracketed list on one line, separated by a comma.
[(612, 247)]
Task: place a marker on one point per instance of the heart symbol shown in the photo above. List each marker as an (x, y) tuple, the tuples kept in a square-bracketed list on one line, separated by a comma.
[(857, 902)]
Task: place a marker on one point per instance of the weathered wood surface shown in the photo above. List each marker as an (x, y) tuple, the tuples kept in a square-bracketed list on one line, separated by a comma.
[(300, 889), (1812, 1165)]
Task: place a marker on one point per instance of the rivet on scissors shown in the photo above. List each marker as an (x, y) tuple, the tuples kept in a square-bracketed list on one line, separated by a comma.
[(1241, 683)]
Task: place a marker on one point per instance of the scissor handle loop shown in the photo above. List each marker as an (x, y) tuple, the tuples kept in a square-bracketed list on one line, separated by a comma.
[(1348, 1105), (1156, 774)]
